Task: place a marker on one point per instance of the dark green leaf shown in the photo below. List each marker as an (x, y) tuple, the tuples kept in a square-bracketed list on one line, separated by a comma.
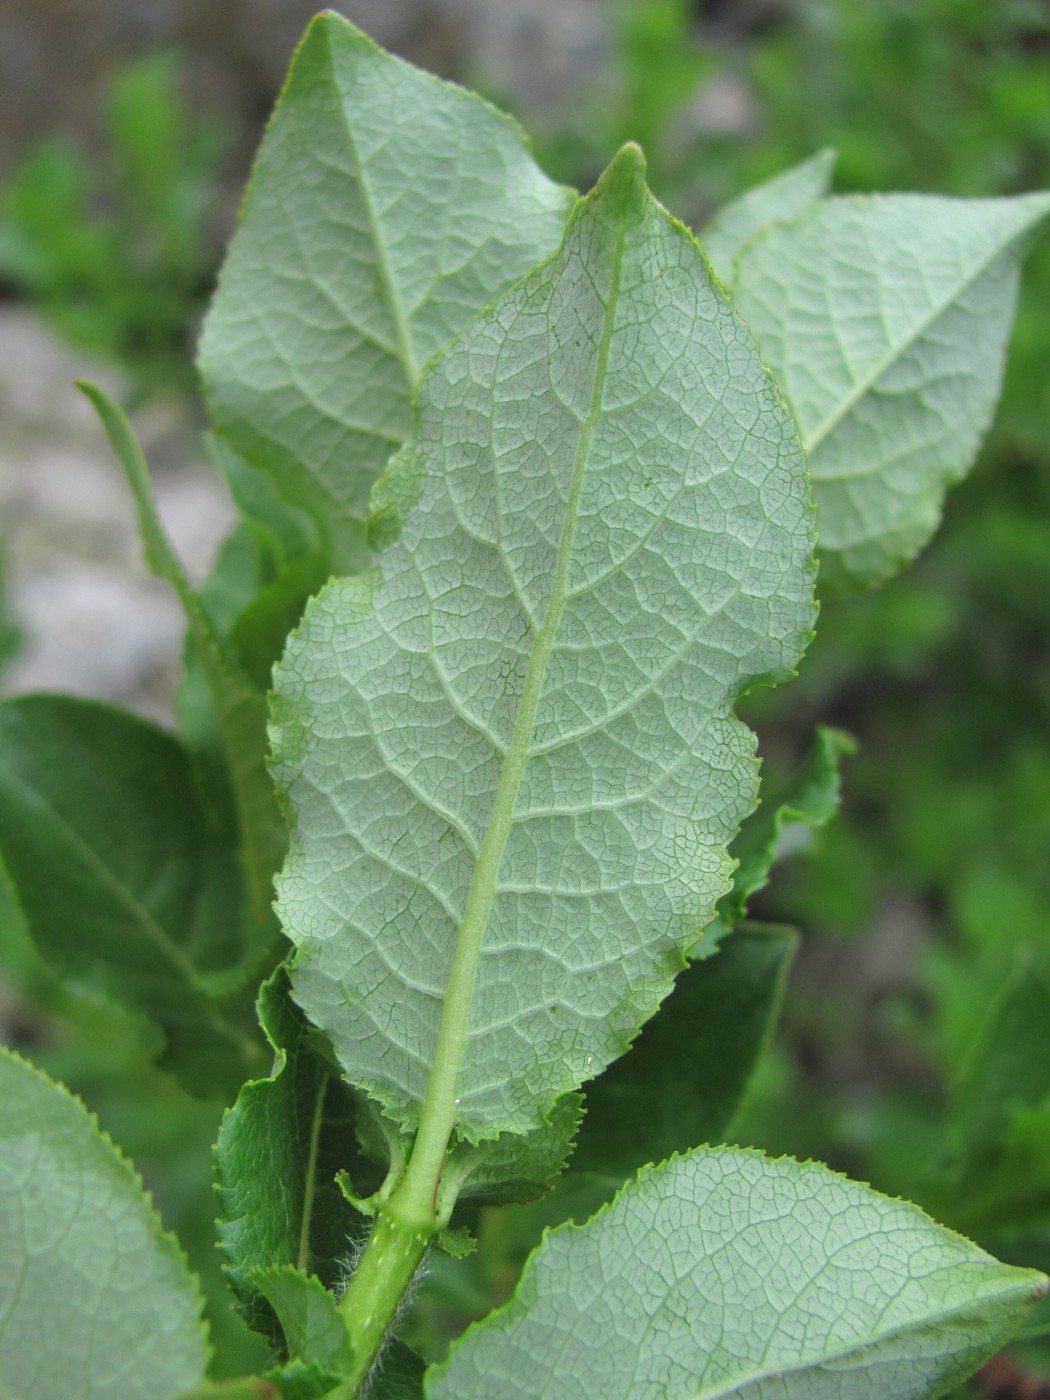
[(279, 1150), (127, 893), (999, 1115), (682, 1081), (781, 827)]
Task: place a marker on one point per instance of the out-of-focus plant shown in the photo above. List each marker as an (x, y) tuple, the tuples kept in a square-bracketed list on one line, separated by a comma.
[(9, 633), (116, 250)]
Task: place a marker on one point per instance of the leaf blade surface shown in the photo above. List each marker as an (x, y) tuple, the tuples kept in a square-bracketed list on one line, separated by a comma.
[(95, 1299), (782, 197), (885, 321), (386, 208), (611, 538), (726, 1274)]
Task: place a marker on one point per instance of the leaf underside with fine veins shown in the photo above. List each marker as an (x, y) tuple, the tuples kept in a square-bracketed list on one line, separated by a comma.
[(725, 1274), (515, 734), (95, 1299), (885, 321), (782, 197), (386, 209)]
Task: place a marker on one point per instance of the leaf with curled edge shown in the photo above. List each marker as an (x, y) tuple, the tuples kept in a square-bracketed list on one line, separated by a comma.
[(885, 320), (508, 750), (279, 1150), (780, 827), (385, 209), (723, 1273)]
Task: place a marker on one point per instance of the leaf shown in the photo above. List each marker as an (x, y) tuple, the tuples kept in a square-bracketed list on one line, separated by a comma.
[(95, 1299), (512, 1169), (779, 827), (309, 1317), (247, 1388), (328, 306), (683, 1080), (398, 1374), (999, 1115), (278, 1152), (783, 197), (127, 894), (259, 502), (885, 321), (240, 708), (508, 748), (726, 1274)]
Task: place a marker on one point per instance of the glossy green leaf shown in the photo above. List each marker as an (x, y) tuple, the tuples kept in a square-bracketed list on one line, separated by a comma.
[(726, 1274), (682, 1081), (278, 1153), (309, 1317), (885, 321), (509, 748), (386, 208), (780, 827), (240, 707), (95, 1299), (783, 197), (128, 894)]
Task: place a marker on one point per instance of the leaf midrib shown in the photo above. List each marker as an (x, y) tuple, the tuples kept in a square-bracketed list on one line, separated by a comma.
[(868, 381), (438, 1111), (736, 1384), (406, 353)]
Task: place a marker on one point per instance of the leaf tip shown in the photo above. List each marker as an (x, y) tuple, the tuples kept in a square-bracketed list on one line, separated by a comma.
[(623, 180)]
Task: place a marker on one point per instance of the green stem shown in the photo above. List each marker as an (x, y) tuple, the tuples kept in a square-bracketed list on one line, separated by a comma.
[(383, 1276)]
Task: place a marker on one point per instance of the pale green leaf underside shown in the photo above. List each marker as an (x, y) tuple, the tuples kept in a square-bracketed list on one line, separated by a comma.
[(782, 197), (386, 208), (517, 728), (885, 321), (726, 1274), (95, 1300)]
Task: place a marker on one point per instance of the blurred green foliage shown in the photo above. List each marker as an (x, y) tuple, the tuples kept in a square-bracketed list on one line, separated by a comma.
[(116, 250)]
